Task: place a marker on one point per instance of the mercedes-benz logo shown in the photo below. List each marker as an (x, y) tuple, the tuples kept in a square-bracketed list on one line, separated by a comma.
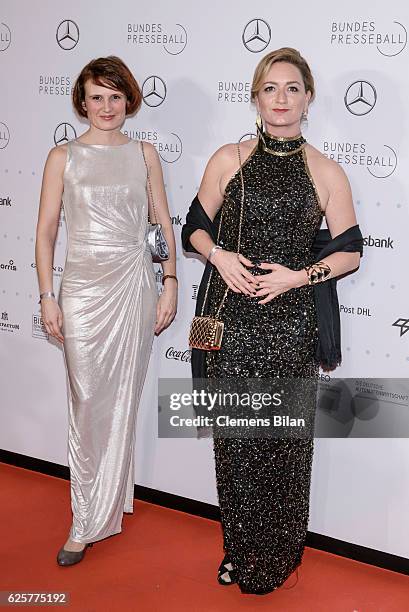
[(4, 135), (5, 37), (360, 98), (154, 91), (68, 34), (256, 35), (63, 133), (403, 325)]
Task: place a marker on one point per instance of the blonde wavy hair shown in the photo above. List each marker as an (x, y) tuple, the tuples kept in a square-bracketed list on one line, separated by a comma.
[(285, 54)]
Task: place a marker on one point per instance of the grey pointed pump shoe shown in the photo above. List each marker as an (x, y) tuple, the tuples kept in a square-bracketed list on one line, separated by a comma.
[(67, 557)]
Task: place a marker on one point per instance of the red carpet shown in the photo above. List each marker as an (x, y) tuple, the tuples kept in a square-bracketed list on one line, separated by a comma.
[(164, 561)]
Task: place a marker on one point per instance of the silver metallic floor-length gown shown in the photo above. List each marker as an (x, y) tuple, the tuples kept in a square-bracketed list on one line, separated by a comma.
[(108, 299)]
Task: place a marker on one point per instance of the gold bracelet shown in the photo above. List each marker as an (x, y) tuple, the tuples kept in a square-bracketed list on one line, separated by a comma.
[(318, 272), (168, 276)]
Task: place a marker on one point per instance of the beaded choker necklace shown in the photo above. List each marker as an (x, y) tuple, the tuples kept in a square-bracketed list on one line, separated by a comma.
[(280, 145)]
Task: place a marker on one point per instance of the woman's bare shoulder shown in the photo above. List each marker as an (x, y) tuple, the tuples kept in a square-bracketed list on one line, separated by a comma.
[(227, 154), (148, 147), (326, 167), (57, 157), (59, 151)]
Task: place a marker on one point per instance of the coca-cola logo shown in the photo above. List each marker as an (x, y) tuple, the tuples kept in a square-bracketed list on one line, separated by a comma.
[(173, 353)]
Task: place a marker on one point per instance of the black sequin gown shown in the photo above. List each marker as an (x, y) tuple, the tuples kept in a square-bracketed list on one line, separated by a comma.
[(264, 484)]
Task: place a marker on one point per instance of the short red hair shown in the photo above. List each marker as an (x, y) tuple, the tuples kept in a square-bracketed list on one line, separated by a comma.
[(109, 72)]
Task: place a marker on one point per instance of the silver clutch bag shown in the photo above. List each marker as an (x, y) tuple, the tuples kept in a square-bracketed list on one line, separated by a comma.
[(157, 243), (156, 238)]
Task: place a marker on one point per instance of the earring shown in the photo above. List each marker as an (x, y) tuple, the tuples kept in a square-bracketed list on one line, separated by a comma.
[(304, 118), (260, 126), (259, 122)]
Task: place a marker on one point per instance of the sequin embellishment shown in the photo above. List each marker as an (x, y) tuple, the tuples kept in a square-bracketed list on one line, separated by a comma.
[(264, 484)]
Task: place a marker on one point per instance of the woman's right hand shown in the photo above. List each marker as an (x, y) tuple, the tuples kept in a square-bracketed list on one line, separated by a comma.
[(232, 268), (52, 317)]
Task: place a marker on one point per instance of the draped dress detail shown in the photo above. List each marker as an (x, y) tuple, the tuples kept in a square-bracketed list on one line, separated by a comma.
[(108, 298)]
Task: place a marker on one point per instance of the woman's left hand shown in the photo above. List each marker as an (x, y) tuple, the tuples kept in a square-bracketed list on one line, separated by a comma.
[(167, 306), (279, 280)]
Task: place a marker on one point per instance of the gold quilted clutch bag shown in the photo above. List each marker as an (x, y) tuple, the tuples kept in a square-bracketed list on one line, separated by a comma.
[(206, 333)]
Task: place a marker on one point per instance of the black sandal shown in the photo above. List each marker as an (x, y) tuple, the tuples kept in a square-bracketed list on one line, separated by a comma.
[(226, 574)]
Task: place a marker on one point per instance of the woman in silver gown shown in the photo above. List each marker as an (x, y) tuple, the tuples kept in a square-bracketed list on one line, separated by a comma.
[(271, 326), (108, 308)]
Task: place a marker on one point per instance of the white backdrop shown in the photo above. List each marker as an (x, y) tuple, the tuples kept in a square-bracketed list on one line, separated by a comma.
[(203, 58)]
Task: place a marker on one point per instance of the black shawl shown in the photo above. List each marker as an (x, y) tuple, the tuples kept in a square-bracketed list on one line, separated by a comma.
[(328, 352)]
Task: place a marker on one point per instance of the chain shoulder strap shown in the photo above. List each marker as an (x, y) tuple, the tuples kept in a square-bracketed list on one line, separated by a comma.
[(211, 271), (148, 178), (217, 241)]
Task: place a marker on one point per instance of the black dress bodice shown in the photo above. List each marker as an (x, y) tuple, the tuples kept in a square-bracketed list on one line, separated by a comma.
[(281, 213)]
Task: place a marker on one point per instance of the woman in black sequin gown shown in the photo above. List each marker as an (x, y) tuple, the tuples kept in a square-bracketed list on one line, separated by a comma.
[(269, 314)]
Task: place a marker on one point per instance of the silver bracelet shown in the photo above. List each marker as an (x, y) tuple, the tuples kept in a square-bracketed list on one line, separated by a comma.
[(46, 294), (213, 251)]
